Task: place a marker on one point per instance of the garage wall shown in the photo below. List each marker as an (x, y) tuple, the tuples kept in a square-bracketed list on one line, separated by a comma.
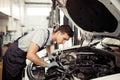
[(36, 16)]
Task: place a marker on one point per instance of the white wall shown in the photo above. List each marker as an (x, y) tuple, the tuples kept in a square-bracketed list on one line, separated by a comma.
[(36, 17)]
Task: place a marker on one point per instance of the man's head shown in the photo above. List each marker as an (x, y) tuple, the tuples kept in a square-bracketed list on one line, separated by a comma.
[(62, 34)]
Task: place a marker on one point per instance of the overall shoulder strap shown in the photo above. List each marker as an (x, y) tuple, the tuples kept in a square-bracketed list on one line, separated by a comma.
[(47, 37), (44, 46)]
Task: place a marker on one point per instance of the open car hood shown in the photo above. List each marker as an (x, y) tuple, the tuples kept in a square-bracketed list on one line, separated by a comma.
[(101, 17)]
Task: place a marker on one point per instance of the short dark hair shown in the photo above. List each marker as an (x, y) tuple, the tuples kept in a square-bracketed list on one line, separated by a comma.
[(66, 29)]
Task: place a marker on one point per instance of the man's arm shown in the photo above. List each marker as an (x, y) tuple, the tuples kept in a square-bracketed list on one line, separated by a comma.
[(32, 56), (48, 49)]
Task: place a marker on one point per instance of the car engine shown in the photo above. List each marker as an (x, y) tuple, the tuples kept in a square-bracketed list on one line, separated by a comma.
[(83, 63)]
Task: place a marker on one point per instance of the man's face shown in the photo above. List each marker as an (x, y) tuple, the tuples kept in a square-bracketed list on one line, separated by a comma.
[(62, 38)]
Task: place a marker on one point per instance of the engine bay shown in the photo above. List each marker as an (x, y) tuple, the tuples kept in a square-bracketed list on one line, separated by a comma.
[(83, 63)]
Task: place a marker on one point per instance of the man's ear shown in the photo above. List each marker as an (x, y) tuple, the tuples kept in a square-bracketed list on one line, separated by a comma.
[(62, 32), (58, 32)]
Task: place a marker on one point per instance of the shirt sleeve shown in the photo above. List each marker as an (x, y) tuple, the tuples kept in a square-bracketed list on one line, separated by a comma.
[(39, 37)]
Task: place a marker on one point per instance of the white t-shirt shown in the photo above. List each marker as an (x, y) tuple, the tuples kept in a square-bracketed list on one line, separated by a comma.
[(38, 36)]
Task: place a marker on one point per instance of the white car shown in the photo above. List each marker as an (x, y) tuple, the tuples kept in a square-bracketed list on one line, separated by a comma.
[(98, 61)]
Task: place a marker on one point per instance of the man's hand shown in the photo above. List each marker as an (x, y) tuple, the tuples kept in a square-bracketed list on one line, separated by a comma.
[(52, 64)]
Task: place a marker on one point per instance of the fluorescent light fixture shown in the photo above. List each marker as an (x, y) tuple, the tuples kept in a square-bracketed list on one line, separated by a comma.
[(38, 11)]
